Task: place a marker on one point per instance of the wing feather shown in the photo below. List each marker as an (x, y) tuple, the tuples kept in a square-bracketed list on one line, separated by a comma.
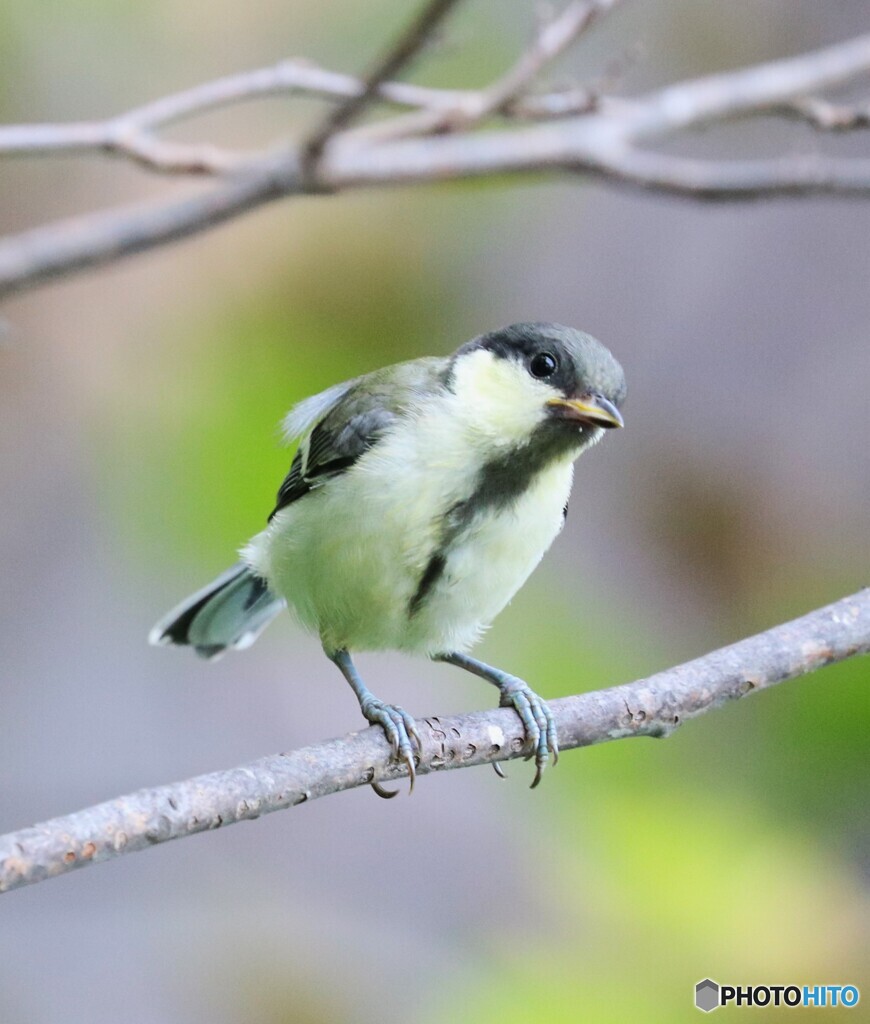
[(306, 413), (340, 424)]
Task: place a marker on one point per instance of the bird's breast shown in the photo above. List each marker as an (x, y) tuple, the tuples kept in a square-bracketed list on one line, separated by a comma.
[(416, 546), (484, 563)]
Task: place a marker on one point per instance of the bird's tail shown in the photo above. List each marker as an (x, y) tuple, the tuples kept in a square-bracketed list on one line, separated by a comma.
[(231, 611)]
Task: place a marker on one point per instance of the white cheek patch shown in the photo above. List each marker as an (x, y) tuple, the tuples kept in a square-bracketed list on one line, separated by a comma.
[(499, 397)]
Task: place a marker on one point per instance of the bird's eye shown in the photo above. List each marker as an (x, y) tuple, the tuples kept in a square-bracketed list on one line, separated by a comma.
[(542, 365)]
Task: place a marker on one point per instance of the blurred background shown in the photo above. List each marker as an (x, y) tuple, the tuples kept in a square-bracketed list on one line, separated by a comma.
[(139, 449)]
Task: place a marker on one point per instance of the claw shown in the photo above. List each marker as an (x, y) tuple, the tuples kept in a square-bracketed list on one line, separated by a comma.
[(538, 722), (400, 730), (499, 771), (552, 735), (517, 698), (407, 756), (384, 794)]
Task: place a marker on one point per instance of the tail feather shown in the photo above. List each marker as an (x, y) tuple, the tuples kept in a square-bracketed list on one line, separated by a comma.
[(231, 611)]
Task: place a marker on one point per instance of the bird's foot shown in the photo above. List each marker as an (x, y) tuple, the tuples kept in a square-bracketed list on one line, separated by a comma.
[(541, 738), (400, 729), (537, 720), (398, 725)]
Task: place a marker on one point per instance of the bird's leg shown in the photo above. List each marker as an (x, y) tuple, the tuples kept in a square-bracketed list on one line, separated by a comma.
[(397, 723), (536, 717)]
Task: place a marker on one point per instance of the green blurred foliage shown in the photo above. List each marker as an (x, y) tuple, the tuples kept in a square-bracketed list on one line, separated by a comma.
[(659, 882)]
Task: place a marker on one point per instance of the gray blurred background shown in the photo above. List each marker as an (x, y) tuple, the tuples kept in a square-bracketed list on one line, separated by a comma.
[(138, 449)]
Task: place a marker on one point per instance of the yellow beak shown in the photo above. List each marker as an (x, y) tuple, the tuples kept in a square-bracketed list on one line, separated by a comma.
[(593, 409)]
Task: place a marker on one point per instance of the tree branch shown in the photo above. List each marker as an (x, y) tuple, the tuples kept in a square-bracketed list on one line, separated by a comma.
[(609, 139), (737, 180), (290, 78), (406, 47), (648, 707), (295, 77)]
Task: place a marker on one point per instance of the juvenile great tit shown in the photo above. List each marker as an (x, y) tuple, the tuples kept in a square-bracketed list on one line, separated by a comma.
[(420, 499)]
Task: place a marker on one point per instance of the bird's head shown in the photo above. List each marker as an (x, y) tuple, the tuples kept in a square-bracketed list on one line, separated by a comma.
[(538, 382)]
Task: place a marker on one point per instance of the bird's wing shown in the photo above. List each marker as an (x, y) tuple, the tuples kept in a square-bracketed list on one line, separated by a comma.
[(341, 423)]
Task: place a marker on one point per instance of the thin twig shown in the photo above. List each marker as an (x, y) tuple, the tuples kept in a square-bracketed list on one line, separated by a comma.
[(289, 78), (829, 117), (406, 47), (649, 707), (296, 77), (554, 37), (132, 134)]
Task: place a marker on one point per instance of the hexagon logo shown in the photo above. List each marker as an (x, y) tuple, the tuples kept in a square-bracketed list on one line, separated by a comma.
[(707, 995)]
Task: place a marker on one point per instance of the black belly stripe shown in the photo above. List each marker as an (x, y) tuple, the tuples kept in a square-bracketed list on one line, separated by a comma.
[(499, 484), (430, 577)]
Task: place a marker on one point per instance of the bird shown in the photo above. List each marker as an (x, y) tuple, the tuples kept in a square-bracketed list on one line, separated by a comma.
[(420, 498)]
